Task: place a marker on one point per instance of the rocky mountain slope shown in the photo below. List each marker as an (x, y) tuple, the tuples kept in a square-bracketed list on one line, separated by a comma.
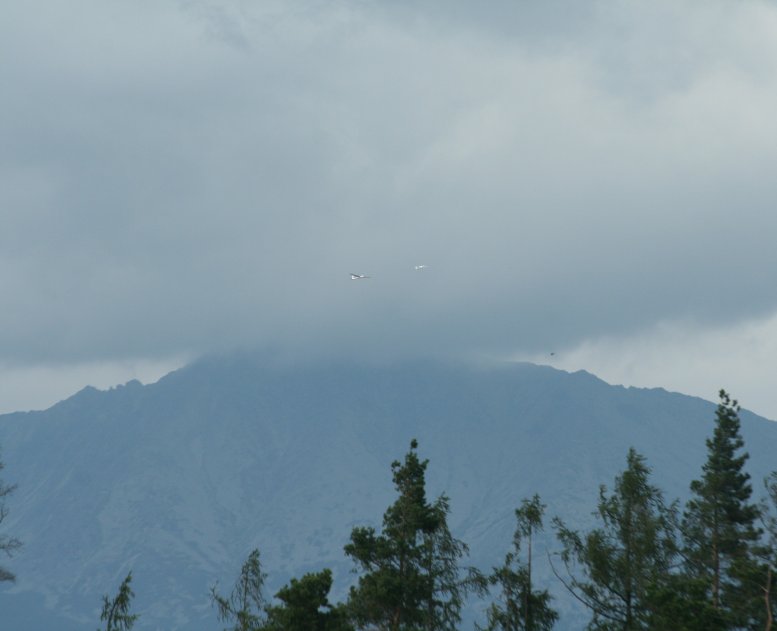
[(180, 479)]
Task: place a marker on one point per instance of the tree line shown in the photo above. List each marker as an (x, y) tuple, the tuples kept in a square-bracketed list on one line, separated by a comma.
[(647, 564)]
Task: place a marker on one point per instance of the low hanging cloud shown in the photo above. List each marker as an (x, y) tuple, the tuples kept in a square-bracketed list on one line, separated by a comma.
[(686, 357), (185, 177)]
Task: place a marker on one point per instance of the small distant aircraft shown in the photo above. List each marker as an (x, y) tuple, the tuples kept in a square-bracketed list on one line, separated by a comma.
[(358, 276), (419, 267)]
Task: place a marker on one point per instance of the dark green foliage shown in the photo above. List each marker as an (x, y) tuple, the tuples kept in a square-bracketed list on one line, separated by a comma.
[(305, 606), (410, 577), (115, 613), (679, 603), (8, 544), (625, 560), (719, 525), (519, 606), (243, 608)]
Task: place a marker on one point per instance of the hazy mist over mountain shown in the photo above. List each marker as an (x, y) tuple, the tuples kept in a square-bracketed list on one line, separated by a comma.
[(183, 177), (179, 480)]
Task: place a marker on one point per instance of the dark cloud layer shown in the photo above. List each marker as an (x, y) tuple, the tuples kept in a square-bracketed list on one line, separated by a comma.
[(181, 177)]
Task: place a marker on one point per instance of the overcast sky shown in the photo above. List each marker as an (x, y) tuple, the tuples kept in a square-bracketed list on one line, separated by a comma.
[(592, 179)]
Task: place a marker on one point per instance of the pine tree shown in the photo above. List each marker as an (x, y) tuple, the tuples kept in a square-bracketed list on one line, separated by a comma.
[(115, 613), (305, 606), (719, 524), (625, 560), (768, 587), (244, 607), (520, 606), (679, 603), (447, 589), (8, 544), (409, 571)]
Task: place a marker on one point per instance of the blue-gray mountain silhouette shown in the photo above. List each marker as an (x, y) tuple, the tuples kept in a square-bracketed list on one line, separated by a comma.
[(179, 480)]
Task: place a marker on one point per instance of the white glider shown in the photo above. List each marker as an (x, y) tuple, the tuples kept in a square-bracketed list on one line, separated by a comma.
[(358, 276)]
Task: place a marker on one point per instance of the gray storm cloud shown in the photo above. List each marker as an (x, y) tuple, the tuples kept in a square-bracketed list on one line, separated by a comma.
[(184, 177)]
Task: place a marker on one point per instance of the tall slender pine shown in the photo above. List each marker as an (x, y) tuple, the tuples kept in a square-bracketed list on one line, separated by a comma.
[(625, 560), (520, 607), (720, 523), (244, 607), (768, 587)]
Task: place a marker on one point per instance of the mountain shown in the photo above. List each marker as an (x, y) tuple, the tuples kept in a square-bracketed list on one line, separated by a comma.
[(180, 479)]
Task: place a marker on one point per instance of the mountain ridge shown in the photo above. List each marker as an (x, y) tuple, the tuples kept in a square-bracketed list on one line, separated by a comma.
[(179, 479)]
